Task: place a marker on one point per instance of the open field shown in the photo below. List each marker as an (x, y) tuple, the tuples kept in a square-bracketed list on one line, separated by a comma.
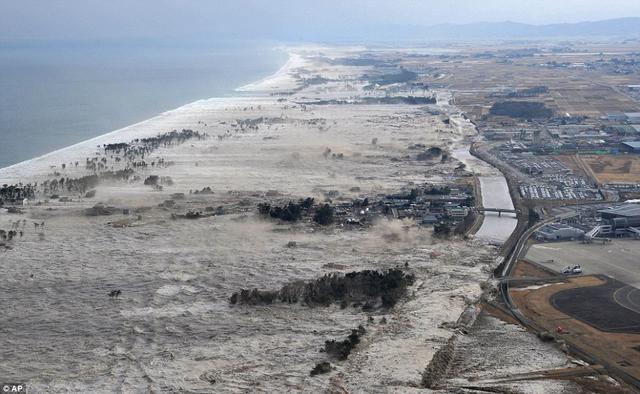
[(570, 91), (613, 169), (574, 163), (477, 82)]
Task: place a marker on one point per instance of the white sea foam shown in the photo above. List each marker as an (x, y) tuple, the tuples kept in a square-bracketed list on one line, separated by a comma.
[(176, 118)]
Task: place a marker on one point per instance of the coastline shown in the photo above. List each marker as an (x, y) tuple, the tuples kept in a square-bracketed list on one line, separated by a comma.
[(267, 83), (177, 275), (12, 173)]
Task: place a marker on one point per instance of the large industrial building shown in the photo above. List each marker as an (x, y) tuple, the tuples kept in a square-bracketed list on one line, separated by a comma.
[(622, 216), (557, 232)]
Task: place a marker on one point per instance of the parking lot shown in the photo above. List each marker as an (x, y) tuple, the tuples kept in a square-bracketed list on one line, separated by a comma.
[(619, 259)]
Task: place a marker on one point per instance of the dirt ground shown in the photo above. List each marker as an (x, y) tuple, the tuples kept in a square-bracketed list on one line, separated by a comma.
[(574, 163), (617, 349), (525, 269), (571, 90), (613, 169)]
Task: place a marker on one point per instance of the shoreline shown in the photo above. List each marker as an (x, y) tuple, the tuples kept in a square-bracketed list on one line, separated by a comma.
[(280, 73), (262, 149)]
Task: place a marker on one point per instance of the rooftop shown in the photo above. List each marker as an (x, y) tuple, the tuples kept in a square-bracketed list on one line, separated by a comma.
[(627, 210), (632, 144), (556, 227)]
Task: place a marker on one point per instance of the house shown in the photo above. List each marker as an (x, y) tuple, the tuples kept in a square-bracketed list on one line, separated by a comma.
[(430, 219)]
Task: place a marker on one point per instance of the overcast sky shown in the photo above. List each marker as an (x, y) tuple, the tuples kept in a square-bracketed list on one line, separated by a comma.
[(280, 19)]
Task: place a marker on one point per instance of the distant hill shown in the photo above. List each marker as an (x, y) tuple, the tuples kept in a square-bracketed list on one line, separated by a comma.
[(621, 27)]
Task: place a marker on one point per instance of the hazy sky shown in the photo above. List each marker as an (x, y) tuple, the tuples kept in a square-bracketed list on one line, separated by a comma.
[(280, 19)]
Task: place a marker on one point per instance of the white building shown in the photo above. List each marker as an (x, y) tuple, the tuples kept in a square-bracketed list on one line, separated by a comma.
[(558, 231)]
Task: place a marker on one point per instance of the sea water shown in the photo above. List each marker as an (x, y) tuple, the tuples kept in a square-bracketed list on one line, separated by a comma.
[(54, 94)]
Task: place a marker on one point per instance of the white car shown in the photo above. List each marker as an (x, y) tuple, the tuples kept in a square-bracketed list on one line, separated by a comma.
[(572, 270)]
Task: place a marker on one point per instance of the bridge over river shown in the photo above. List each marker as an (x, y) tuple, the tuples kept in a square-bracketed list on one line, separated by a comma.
[(499, 213)]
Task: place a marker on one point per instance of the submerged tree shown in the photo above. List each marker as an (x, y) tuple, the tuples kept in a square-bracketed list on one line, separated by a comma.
[(324, 215)]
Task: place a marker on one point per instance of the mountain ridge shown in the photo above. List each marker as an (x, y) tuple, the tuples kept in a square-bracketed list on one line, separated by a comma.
[(628, 26)]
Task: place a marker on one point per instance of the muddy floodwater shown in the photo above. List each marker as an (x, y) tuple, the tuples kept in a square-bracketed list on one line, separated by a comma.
[(495, 194), (496, 228)]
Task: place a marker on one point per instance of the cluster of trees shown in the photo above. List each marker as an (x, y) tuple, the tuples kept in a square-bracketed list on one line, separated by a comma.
[(410, 100), (242, 125), (151, 180), (521, 109), (9, 235), (13, 193), (87, 182), (321, 368), (116, 148), (340, 350), (142, 146), (529, 92), (315, 80), (138, 147), (155, 180), (357, 61), (429, 154), (205, 190), (387, 79), (95, 164), (443, 190), (293, 211), (368, 288), (324, 215), (100, 210), (466, 223), (290, 212), (119, 175), (442, 229), (413, 194)]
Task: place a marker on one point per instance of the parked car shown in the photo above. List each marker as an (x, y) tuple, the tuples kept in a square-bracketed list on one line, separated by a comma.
[(572, 270)]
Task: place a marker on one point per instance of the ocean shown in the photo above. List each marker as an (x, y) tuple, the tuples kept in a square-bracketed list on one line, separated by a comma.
[(55, 94)]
